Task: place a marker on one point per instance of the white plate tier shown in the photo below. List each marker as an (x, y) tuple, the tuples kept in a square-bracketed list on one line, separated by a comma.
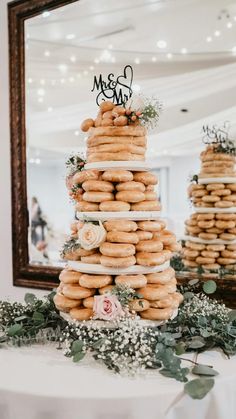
[(111, 325), (215, 210), (216, 241), (203, 181), (97, 269), (138, 166), (129, 215)]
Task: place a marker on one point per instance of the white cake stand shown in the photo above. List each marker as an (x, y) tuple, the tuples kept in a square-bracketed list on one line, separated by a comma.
[(215, 241), (128, 215), (139, 166), (203, 181), (97, 269)]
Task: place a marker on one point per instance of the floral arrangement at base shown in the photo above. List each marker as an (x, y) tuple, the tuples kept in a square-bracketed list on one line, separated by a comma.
[(130, 348)]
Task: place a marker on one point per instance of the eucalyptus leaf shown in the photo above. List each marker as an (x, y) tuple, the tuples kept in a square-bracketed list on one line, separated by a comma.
[(204, 370), (15, 330), (30, 298), (38, 317), (232, 315), (77, 346), (188, 295), (196, 343), (78, 356), (193, 282), (21, 318), (199, 387), (180, 348), (209, 287)]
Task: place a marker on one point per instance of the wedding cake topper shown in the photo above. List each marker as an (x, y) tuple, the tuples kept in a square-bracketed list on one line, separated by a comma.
[(218, 135), (116, 89)]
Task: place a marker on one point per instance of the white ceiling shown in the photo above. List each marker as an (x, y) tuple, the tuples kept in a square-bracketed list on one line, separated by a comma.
[(68, 46)]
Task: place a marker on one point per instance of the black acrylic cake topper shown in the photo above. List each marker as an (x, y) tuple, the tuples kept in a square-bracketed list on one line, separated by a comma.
[(219, 136), (115, 89)]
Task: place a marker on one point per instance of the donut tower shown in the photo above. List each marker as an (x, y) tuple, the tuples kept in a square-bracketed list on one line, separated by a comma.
[(211, 229), (118, 238)]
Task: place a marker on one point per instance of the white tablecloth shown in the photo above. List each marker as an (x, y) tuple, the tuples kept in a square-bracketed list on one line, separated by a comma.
[(40, 383)]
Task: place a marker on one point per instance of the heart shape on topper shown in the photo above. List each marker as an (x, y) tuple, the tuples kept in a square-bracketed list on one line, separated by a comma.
[(127, 78)]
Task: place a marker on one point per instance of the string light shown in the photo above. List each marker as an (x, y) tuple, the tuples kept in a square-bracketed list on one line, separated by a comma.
[(30, 80), (217, 33), (47, 53), (71, 79), (161, 44), (234, 49), (97, 61), (76, 133), (91, 67), (63, 68), (169, 55), (40, 99), (50, 109), (229, 25), (46, 13), (70, 36), (42, 82), (184, 51), (209, 39), (154, 59), (137, 60), (73, 58), (62, 81), (41, 92)]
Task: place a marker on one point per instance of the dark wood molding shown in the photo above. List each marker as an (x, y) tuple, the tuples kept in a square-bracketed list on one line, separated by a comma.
[(24, 274)]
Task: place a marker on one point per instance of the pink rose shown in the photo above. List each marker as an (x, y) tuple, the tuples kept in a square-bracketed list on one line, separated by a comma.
[(107, 307)]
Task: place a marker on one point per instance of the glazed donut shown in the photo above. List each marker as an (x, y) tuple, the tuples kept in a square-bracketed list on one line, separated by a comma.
[(210, 198), (86, 124), (225, 224), (150, 196), (95, 258), (122, 237), (117, 175), (139, 305), (207, 216), (150, 188), (69, 277), (214, 230), (232, 231), (147, 178), (224, 204), (174, 247), (130, 196), (157, 225), (215, 247), (167, 253), (231, 197), (153, 293), (177, 299), (206, 224), (106, 106), (210, 254), (83, 206), (80, 177), (207, 236), (221, 192), (98, 196), (227, 236), (204, 260), (190, 263), (116, 156), (226, 217), (97, 185), (231, 246), (118, 262), (169, 287), (95, 281), (81, 314), (132, 281), (70, 255), (157, 313), (229, 254), (83, 252), (107, 289), (88, 302), (117, 148), (149, 246), (120, 225), (144, 235), (105, 139), (63, 303), (165, 236), (130, 186), (146, 206), (190, 253), (150, 259), (161, 278), (194, 246), (117, 249), (76, 292), (226, 261), (215, 186), (232, 186), (163, 303), (199, 193), (114, 206)]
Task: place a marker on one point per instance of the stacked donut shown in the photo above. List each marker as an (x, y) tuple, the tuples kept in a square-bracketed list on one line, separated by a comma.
[(209, 256), (157, 293), (130, 249), (127, 243), (218, 195), (216, 164), (116, 190), (114, 135), (211, 230)]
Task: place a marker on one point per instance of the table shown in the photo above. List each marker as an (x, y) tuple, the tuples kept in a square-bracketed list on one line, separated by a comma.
[(38, 382)]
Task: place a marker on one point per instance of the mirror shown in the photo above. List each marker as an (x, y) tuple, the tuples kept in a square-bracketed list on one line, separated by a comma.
[(190, 70)]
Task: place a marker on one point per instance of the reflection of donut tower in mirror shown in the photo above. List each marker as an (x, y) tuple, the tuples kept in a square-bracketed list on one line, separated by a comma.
[(118, 210), (211, 229)]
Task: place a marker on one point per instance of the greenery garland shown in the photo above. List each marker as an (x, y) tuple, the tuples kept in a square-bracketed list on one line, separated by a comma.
[(201, 324)]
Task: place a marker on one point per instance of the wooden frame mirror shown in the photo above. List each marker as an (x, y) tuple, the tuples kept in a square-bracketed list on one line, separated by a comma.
[(24, 274)]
